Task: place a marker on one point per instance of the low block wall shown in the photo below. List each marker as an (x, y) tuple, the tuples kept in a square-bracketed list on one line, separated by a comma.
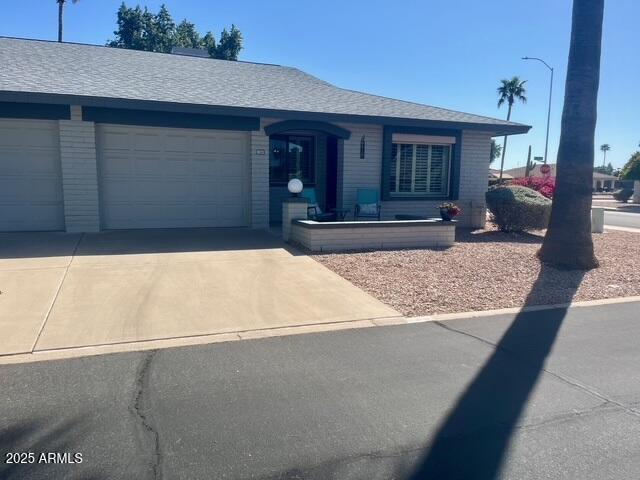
[(345, 236)]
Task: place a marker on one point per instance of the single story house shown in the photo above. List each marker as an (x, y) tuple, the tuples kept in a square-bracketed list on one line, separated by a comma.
[(96, 138), (494, 174), (601, 181)]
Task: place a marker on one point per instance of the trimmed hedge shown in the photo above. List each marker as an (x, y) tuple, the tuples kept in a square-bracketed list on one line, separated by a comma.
[(623, 195), (515, 208)]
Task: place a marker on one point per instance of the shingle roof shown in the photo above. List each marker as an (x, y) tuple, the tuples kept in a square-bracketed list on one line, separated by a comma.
[(89, 71)]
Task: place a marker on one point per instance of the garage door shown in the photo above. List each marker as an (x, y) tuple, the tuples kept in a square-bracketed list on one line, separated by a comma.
[(154, 177), (30, 176)]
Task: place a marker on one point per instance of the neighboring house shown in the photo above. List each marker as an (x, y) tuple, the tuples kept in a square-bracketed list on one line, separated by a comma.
[(600, 180), (493, 174), (98, 138)]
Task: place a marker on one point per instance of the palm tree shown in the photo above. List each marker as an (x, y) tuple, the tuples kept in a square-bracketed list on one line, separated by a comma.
[(495, 151), (510, 91), (60, 15), (604, 148), (568, 243)]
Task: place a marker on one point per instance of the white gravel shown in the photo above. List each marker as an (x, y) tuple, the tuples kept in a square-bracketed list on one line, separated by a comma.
[(488, 269)]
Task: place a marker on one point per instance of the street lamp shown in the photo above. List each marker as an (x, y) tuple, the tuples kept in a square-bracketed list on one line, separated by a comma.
[(546, 143)]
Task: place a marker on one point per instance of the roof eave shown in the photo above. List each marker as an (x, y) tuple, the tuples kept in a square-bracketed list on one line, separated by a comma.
[(112, 102)]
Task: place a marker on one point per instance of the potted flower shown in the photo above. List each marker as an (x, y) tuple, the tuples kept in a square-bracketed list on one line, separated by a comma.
[(449, 210)]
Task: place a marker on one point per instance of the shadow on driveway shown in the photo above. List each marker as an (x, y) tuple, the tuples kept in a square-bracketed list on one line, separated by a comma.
[(128, 242)]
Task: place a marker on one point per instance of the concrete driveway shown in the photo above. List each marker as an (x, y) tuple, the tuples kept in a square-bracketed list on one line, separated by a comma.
[(63, 291)]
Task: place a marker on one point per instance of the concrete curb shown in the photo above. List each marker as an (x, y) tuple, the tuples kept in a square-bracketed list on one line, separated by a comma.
[(514, 310), (77, 352), (622, 229)]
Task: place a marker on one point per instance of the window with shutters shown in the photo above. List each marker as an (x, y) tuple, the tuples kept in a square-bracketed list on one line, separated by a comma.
[(419, 169)]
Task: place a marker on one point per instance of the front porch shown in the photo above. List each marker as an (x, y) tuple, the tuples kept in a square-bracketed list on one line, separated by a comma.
[(312, 152)]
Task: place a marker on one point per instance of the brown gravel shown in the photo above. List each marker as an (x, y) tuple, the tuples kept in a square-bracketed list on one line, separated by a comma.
[(487, 269)]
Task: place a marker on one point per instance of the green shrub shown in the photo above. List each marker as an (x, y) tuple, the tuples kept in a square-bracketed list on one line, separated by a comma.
[(515, 208), (623, 195), (631, 170)]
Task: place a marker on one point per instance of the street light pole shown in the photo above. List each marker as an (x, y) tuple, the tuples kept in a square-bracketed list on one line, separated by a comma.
[(546, 143)]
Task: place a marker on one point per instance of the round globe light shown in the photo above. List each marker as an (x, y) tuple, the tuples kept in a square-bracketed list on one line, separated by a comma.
[(294, 186)]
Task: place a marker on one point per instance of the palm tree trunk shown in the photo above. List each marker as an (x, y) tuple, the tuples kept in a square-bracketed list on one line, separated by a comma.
[(568, 242), (504, 146), (60, 13), (604, 158)]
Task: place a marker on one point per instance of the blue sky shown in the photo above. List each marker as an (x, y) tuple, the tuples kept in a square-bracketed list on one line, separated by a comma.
[(448, 53)]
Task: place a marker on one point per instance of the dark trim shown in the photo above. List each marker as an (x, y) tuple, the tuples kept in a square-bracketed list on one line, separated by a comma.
[(435, 222), (456, 155), (168, 119), (493, 129), (295, 200), (286, 125), (41, 111)]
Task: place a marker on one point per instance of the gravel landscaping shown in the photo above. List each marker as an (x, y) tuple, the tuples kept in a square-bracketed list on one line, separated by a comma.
[(488, 269)]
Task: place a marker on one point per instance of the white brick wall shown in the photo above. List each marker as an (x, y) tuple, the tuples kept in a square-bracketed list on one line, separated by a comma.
[(354, 173), (260, 177), (375, 237), (473, 176), (474, 172), (357, 172), (79, 174)]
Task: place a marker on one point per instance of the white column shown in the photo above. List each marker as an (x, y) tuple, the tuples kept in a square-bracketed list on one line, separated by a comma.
[(259, 179), (636, 191), (597, 220), (79, 173), (293, 208), (477, 214)]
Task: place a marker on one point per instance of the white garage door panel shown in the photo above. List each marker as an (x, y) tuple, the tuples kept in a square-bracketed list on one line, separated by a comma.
[(165, 177), (30, 176)]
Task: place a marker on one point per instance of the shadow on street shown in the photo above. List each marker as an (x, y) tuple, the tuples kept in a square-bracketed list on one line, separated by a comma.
[(473, 440)]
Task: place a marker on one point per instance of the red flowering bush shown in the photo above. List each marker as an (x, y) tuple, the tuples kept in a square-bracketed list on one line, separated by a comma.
[(451, 208), (545, 185)]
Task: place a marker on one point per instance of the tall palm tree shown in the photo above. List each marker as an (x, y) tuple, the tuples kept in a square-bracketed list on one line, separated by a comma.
[(60, 15), (604, 148), (509, 91), (568, 242)]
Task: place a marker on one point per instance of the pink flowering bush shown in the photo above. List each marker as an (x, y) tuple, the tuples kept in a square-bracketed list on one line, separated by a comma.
[(545, 185)]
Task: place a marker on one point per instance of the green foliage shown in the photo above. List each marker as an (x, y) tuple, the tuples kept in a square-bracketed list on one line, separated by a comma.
[(134, 25), (511, 90), (140, 29), (631, 170), (187, 36), (209, 44), (514, 208), (608, 170), (163, 31), (496, 151), (530, 165), (230, 44), (623, 195)]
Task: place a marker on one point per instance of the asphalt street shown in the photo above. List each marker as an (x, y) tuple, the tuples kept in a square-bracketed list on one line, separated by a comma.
[(545, 394), (622, 219)]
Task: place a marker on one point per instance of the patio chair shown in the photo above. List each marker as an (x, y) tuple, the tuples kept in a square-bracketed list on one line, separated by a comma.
[(367, 204), (314, 212)]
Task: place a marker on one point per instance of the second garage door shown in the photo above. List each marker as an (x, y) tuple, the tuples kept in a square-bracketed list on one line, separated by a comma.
[(30, 176), (154, 177)]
